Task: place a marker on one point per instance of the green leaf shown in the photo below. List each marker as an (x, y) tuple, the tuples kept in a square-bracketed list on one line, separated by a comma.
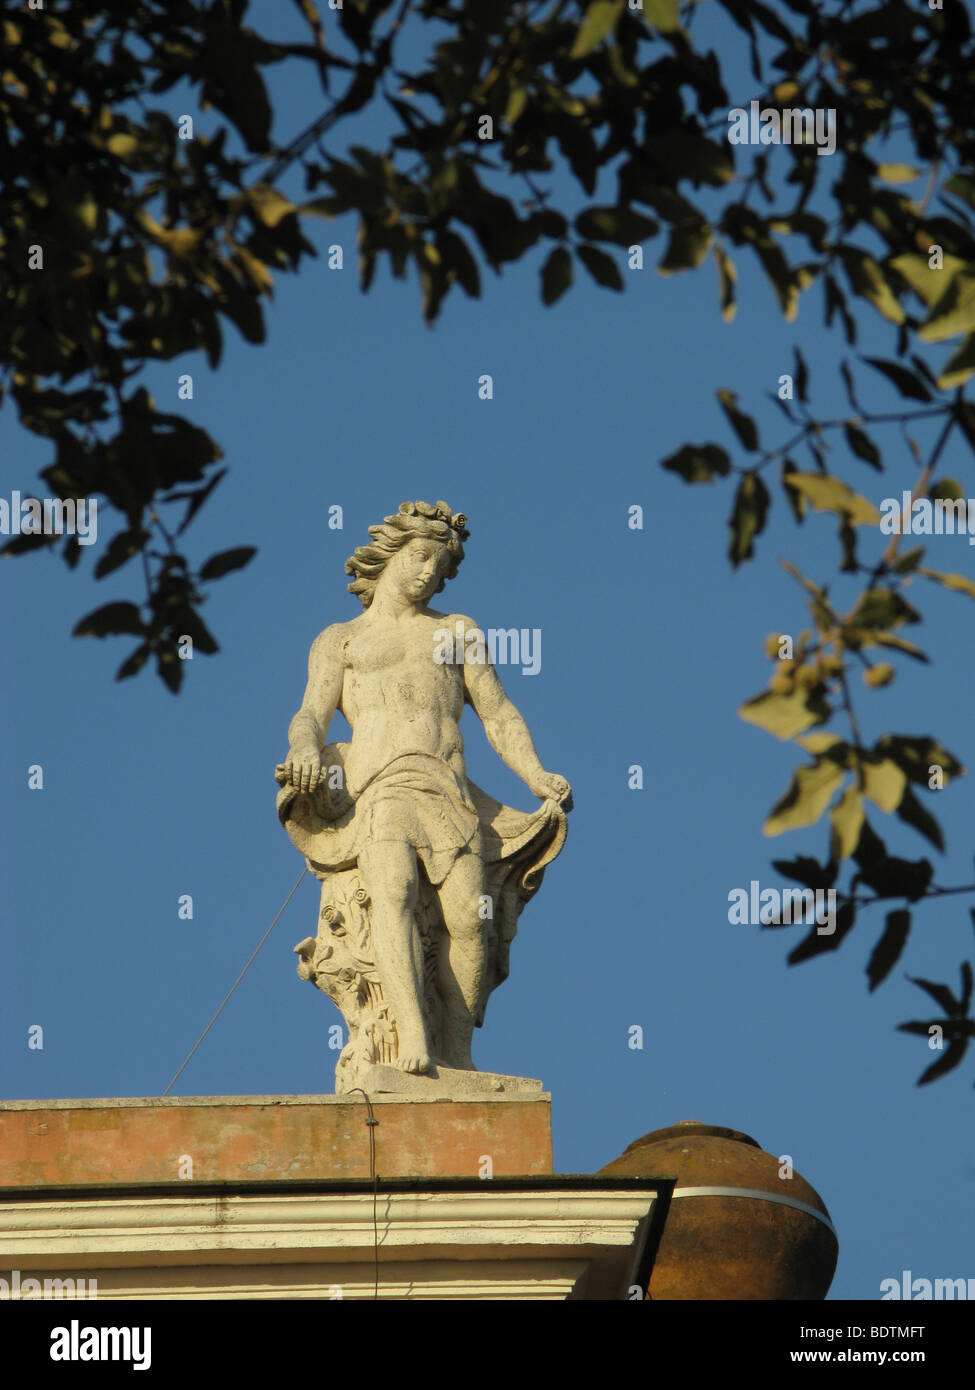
[(897, 173), (617, 224), (110, 619), (742, 424), (122, 146), (269, 205), (948, 1060), (888, 949), (941, 994), (916, 1026), (686, 248), (867, 280), (785, 715), (907, 382), (959, 366), (795, 499), (601, 267), (27, 541), (801, 374), (871, 851), (806, 799), (579, 148), (240, 305), (884, 783), (850, 385), (961, 187), (829, 494), (909, 561), (458, 260), (849, 563), (917, 755), (195, 499), (662, 14), (846, 822), (954, 312), (170, 669), (727, 278), (863, 446), (913, 813), (815, 944), (698, 463), (784, 280), (748, 516), (686, 155), (807, 871), (234, 85), (882, 608), (134, 663), (887, 639), (189, 623), (320, 207), (21, 543), (960, 582), (120, 548), (825, 742), (927, 283), (517, 99), (878, 676), (599, 19), (835, 302), (227, 560), (556, 275)]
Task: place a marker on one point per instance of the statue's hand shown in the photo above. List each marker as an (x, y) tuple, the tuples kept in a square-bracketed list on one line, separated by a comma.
[(303, 769), (550, 786)]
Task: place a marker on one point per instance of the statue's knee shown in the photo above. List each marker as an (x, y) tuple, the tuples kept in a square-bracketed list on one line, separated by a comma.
[(467, 928)]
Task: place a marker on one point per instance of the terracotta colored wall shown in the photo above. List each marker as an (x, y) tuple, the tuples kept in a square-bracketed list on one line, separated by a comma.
[(254, 1138)]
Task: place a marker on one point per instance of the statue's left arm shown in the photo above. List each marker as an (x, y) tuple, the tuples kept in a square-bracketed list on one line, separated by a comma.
[(508, 733)]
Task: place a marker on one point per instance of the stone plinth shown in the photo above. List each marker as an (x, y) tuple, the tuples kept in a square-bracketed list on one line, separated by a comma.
[(207, 1139), (446, 1083), (270, 1197)]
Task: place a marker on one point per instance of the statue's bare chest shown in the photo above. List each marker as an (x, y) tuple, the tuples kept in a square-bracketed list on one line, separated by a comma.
[(393, 667)]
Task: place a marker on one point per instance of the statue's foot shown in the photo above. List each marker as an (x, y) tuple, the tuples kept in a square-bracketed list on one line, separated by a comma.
[(416, 1062)]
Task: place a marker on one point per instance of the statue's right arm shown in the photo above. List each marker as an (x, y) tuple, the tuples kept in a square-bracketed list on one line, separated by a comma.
[(307, 732)]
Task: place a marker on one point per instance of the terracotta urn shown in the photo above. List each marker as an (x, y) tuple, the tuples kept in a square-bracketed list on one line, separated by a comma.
[(738, 1227)]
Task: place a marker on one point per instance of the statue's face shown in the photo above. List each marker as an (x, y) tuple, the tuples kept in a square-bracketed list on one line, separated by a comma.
[(417, 569)]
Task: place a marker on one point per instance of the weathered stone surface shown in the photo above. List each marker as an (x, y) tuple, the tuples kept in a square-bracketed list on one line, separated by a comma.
[(446, 1081), (552, 1239), (269, 1138), (423, 874)]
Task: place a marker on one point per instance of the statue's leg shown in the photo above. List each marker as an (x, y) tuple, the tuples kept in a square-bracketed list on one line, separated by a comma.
[(462, 981), (389, 870)]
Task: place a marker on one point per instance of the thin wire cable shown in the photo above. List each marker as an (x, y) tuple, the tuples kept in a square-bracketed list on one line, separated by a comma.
[(236, 982), (371, 1122)]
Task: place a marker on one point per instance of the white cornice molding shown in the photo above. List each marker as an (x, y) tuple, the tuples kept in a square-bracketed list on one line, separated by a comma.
[(341, 1221), (464, 1245)]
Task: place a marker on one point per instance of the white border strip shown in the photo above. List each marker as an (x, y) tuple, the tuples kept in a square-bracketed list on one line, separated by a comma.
[(758, 1196)]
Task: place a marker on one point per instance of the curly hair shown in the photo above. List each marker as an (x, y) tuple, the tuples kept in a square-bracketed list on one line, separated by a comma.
[(413, 521)]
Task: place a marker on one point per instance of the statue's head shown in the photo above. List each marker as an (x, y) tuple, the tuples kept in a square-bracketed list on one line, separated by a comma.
[(441, 531)]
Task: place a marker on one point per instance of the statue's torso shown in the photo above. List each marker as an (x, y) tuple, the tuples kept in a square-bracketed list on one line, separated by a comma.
[(397, 698)]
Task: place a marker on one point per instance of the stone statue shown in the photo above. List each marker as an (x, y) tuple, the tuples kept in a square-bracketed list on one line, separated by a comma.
[(423, 875)]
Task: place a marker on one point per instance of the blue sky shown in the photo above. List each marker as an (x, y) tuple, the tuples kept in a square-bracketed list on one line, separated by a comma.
[(649, 643)]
